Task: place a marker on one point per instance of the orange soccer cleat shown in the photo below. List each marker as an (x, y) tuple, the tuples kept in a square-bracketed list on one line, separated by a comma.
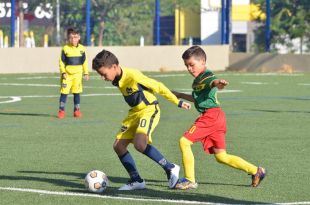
[(77, 114), (61, 114)]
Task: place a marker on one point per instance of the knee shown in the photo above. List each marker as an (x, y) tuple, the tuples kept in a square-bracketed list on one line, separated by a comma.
[(139, 146), (221, 157), (183, 142), (119, 149)]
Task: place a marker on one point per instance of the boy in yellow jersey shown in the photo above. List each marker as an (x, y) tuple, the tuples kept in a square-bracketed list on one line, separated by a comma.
[(73, 65), (210, 127), (138, 91)]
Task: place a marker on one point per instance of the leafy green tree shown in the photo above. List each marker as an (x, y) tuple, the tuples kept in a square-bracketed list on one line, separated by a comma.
[(290, 19), (121, 22)]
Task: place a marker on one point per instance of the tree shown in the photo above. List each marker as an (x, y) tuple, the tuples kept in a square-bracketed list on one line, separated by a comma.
[(290, 19)]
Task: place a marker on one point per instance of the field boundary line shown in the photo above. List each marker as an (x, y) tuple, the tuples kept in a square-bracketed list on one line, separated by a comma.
[(38, 191)]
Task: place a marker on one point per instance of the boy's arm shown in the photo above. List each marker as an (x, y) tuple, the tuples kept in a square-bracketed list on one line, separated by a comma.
[(161, 89), (62, 66), (85, 67), (219, 83), (184, 96)]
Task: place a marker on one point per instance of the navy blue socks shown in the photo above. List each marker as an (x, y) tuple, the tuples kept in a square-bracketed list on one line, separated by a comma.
[(130, 166), (76, 100), (155, 155), (62, 101)]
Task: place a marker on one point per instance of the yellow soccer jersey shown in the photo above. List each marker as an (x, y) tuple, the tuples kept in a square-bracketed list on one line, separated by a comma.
[(138, 90), (73, 60)]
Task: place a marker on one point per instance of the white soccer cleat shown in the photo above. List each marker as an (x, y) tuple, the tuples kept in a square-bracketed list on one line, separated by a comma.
[(174, 176), (133, 186)]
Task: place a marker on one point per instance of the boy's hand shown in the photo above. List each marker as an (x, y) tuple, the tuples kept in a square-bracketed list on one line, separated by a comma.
[(221, 84), (184, 105), (86, 77), (64, 76)]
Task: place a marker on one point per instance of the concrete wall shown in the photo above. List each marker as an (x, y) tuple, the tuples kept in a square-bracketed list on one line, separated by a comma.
[(148, 58), (266, 62)]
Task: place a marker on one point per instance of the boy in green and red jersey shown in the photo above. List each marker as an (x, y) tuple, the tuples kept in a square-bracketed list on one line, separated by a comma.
[(210, 127)]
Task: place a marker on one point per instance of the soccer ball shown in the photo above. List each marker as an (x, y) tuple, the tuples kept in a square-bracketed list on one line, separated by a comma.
[(96, 181)]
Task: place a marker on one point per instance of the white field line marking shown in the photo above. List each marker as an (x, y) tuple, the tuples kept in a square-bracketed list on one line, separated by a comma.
[(38, 191), (262, 74), (19, 98), (99, 196), (38, 77), (53, 96), (98, 77), (52, 85), (254, 83), (221, 91), (175, 75), (13, 99), (304, 84), (168, 75)]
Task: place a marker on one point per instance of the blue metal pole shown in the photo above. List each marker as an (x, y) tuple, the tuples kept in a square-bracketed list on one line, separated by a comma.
[(88, 4), (12, 40), (267, 30), (228, 5), (223, 20), (157, 21)]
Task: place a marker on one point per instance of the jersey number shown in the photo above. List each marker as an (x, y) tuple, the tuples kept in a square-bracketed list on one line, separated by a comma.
[(143, 123), (192, 129)]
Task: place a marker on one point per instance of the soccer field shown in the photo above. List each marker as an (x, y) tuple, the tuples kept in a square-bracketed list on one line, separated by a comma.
[(44, 160)]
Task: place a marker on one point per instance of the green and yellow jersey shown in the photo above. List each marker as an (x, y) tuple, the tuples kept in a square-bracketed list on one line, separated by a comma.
[(138, 90), (204, 95), (73, 60)]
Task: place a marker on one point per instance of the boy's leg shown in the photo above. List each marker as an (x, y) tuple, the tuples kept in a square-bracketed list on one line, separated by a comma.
[(187, 159), (76, 100), (235, 162), (172, 170), (62, 104), (76, 90), (188, 182), (258, 173), (65, 87), (135, 182), (62, 101), (148, 121)]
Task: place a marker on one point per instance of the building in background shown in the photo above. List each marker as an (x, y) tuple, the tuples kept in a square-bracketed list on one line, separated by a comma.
[(243, 14)]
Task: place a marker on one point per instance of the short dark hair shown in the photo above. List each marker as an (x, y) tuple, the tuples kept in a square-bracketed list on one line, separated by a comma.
[(104, 58), (194, 51), (72, 31)]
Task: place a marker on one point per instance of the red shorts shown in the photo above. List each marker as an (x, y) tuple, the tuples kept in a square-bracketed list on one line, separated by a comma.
[(210, 129)]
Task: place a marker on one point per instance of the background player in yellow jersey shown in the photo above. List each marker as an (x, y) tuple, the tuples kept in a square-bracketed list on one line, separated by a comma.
[(73, 64), (210, 127), (138, 91)]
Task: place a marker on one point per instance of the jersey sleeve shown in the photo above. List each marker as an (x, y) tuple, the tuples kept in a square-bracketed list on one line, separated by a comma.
[(85, 61), (62, 66), (157, 87), (209, 78)]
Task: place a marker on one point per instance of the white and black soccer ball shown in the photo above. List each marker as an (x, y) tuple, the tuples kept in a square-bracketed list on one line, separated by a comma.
[(96, 181)]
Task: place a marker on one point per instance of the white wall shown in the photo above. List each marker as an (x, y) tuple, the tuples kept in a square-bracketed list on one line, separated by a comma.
[(148, 58)]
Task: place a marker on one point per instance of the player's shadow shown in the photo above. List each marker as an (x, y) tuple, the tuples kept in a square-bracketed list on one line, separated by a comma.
[(76, 185), (26, 114)]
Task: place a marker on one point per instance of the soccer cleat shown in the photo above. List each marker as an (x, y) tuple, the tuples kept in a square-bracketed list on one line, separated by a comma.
[(77, 113), (133, 185), (258, 177), (61, 114), (184, 183), (173, 176)]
